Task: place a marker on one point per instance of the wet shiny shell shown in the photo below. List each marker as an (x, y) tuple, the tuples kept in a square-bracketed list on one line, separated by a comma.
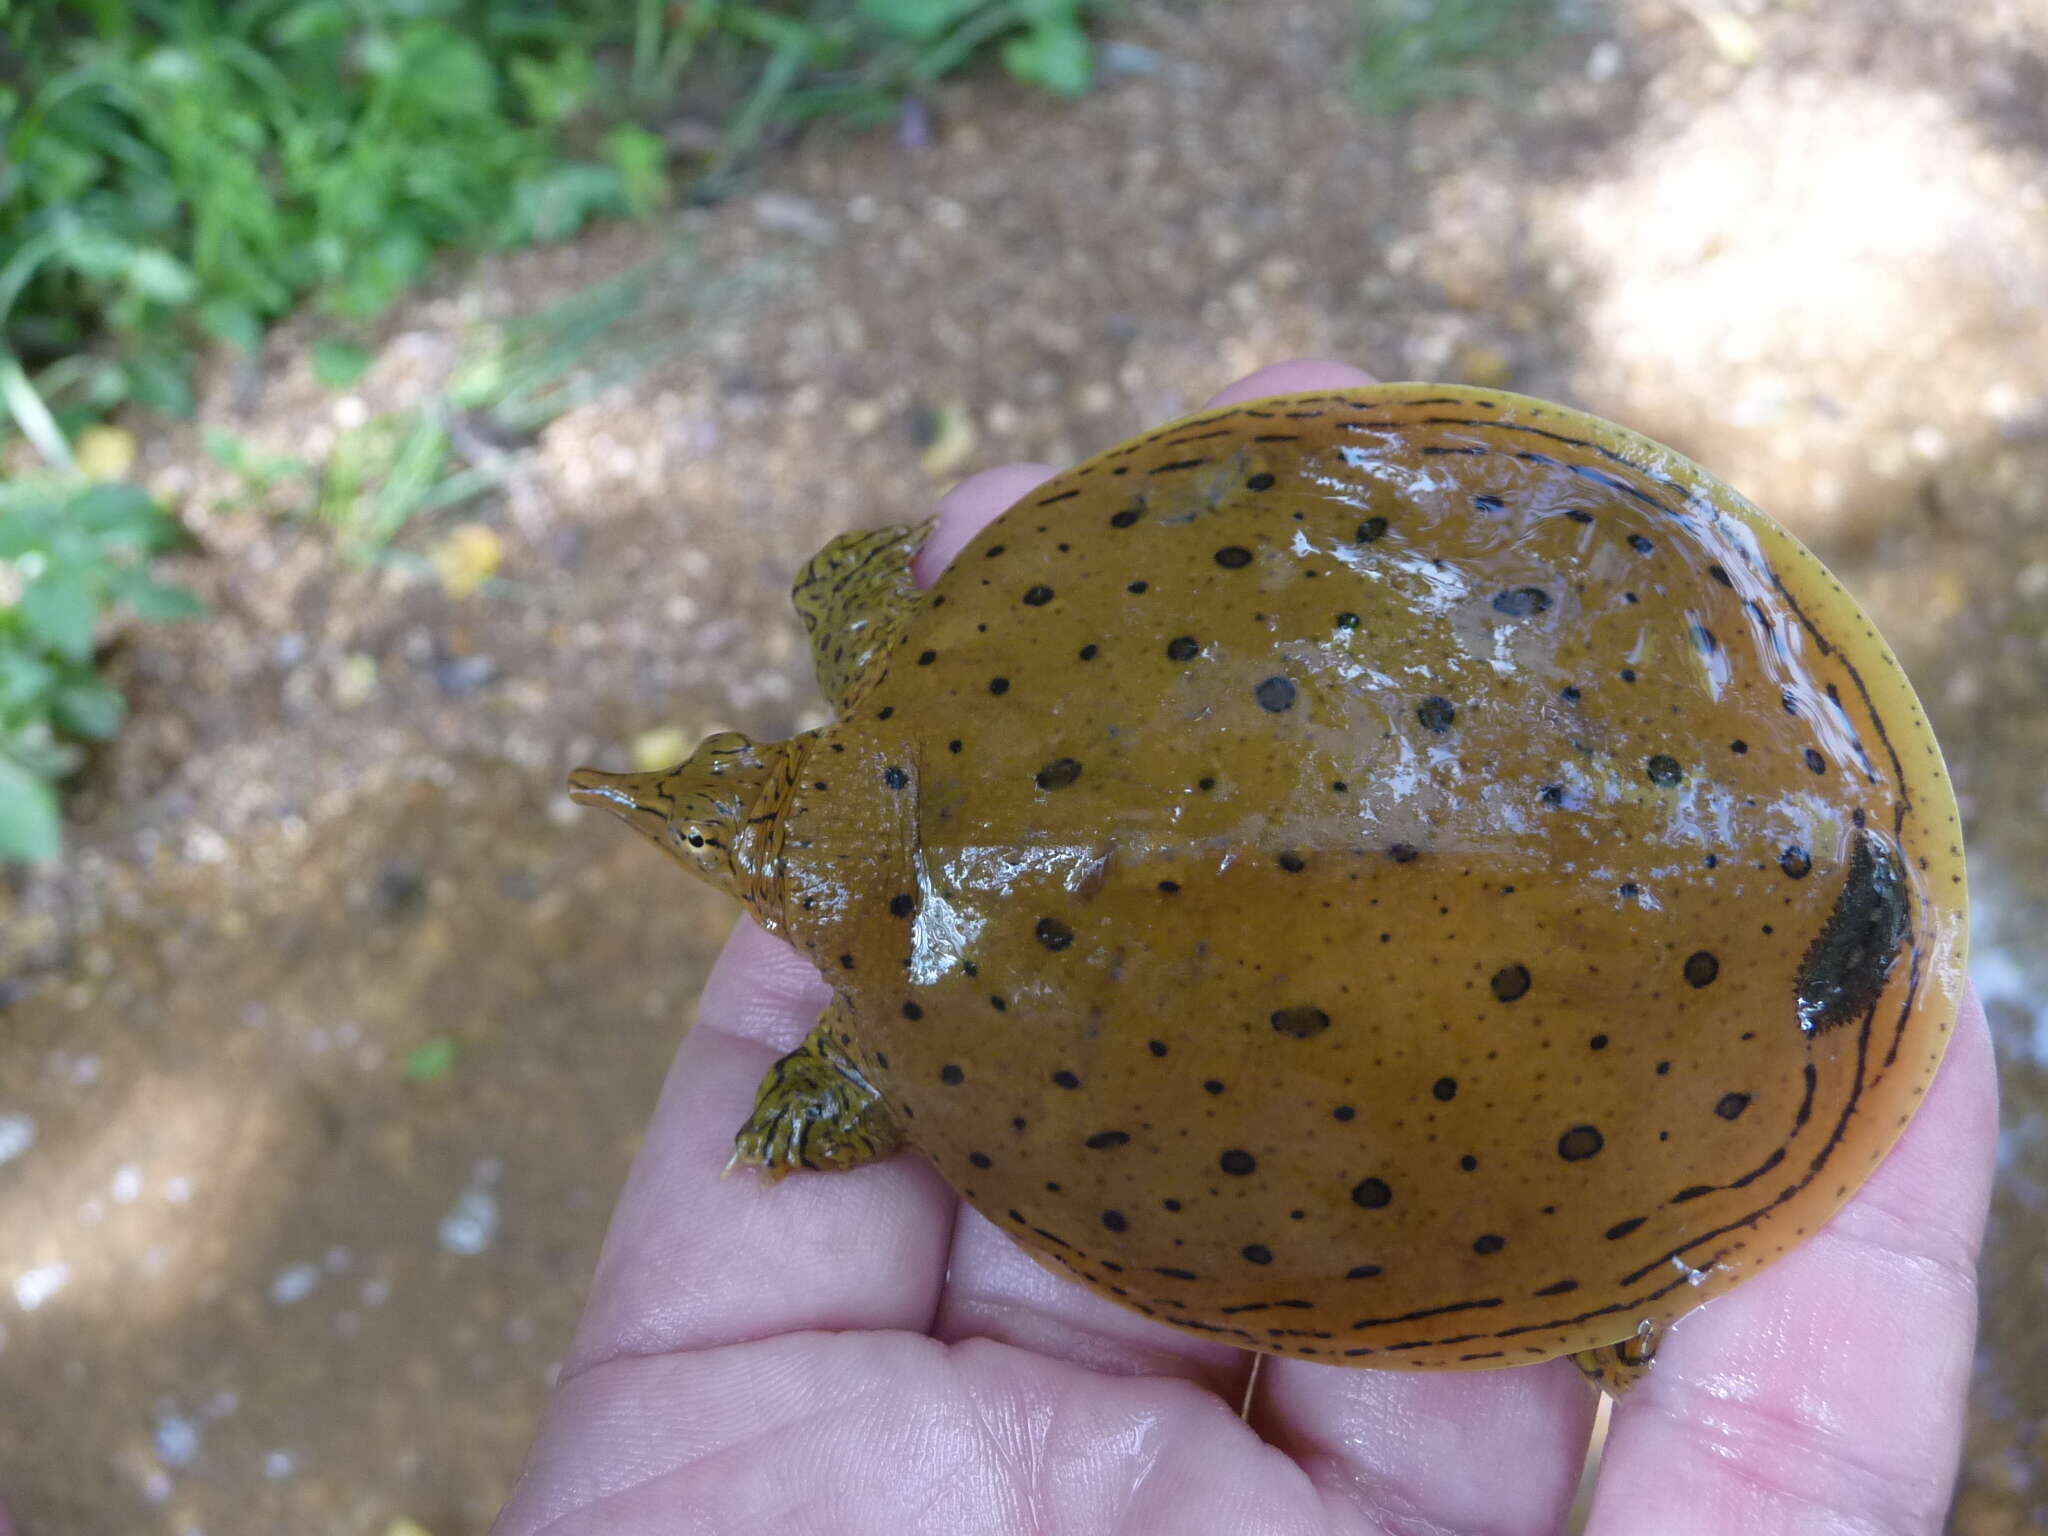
[(1414, 878)]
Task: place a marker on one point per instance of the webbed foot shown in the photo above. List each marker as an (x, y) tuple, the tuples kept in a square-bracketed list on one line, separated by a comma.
[(815, 1109), (1614, 1368)]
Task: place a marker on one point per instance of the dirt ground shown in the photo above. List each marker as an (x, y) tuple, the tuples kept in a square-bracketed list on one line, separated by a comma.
[(256, 1277)]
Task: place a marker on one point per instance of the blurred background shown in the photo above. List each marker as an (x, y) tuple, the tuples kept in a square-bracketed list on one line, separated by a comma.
[(407, 400)]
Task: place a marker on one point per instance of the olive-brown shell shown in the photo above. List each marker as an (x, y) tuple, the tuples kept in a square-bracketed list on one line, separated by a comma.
[(1411, 877)]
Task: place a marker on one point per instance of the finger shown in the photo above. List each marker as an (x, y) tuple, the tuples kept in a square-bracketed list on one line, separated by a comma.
[(1291, 378), (695, 1259), (995, 1290), (1828, 1393), (1497, 1451), (970, 507), (683, 1267)]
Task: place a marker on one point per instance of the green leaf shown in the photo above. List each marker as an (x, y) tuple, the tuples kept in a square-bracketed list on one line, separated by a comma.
[(159, 601), (57, 608), (641, 160), (1055, 57), (918, 20), (120, 513), (429, 1062), (338, 364), (234, 323), (162, 382), (161, 276), (29, 827), (90, 709)]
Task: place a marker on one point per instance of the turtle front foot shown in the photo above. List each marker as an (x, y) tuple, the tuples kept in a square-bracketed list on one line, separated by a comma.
[(815, 1109), (1614, 1368)]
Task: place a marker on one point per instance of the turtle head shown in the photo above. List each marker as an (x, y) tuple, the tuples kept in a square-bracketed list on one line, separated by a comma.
[(696, 812)]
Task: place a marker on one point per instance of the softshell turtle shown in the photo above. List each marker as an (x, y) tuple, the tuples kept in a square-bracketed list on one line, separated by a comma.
[(1414, 877)]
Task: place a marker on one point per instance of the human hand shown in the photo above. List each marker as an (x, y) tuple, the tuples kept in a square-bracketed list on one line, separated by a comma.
[(860, 1352)]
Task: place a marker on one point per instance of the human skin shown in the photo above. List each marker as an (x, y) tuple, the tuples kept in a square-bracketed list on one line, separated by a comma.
[(861, 1354)]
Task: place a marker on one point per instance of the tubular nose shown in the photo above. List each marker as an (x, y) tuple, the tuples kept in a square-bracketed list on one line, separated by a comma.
[(588, 786)]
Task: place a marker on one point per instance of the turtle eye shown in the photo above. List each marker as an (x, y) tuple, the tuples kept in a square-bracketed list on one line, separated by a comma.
[(696, 839)]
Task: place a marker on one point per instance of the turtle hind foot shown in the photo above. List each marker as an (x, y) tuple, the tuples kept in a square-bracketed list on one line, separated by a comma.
[(1615, 1368), (815, 1109)]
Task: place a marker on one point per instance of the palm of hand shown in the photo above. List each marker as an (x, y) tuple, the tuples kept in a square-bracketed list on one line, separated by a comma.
[(860, 1353)]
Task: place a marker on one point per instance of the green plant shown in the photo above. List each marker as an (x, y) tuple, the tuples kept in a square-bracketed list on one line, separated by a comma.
[(70, 556), (1414, 51), (173, 170)]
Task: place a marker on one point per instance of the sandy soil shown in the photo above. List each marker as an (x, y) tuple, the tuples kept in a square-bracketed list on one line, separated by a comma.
[(257, 1278)]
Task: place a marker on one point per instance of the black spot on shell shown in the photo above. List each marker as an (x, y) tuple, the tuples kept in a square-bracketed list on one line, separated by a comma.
[(902, 904), (1580, 1143), (1796, 862), (1569, 695), (1578, 515), (1403, 853), (926, 658), (1622, 1229), (1066, 1079), (1156, 1047), (1259, 482), (1233, 557), (951, 1075), (1815, 761), (912, 1012), (1054, 934), (895, 777), (1114, 1220), (1720, 574), (1639, 544), (1348, 621), (1058, 773), (980, 1159), (1301, 1023), (1847, 965), (1510, 982), (1445, 1088), (1087, 652), (1212, 1086), (1125, 518), (1701, 968), (1102, 1141), (1138, 587), (1275, 694), (1436, 713), (1628, 674), (1343, 1112), (1738, 746), (1490, 1243), (1521, 602), (1257, 1253), (1664, 770), (999, 685), (1468, 1162), (1038, 597), (1597, 1043), (1731, 1105), (1362, 1271), (1183, 648), (1371, 1194), (1237, 1161), (1169, 887), (1292, 862), (1372, 530)]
